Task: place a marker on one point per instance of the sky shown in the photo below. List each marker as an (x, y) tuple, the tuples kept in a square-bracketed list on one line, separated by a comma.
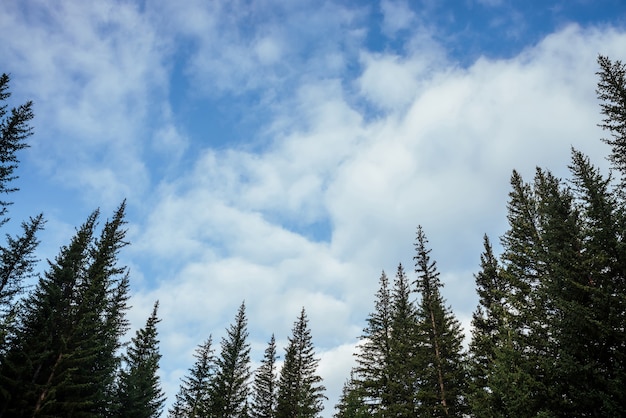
[(283, 153)]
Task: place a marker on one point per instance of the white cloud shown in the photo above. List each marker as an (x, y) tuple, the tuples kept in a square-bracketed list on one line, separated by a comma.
[(397, 16)]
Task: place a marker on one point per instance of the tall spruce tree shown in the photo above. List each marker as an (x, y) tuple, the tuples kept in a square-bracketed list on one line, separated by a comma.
[(442, 384), (139, 387), (17, 256), (300, 392), (519, 377), (487, 326), (230, 388), (592, 339), (61, 360), (373, 358), (541, 258), (193, 398), (400, 395), (265, 385)]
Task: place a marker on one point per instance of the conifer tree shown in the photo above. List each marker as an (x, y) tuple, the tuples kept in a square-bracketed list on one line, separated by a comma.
[(62, 359), (487, 326), (541, 257), (374, 352), (193, 398), (399, 398), (300, 392), (612, 93), (17, 256), (139, 390), (518, 379), (265, 382), (14, 130), (442, 382), (230, 388), (592, 338), (351, 402)]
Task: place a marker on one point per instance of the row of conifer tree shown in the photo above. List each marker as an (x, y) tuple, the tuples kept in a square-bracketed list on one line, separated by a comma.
[(548, 337)]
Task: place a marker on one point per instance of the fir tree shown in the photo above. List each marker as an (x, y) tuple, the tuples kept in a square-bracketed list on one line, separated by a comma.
[(518, 379), (230, 388), (399, 398), (265, 381), (61, 360), (351, 402), (14, 130), (17, 256), (442, 382), (487, 325), (374, 352), (592, 339), (139, 391), (300, 392), (612, 93), (193, 399)]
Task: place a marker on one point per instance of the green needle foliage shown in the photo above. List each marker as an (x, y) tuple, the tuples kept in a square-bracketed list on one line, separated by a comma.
[(300, 392), (442, 382), (193, 399), (62, 355), (139, 389), (230, 387), (265, 385)]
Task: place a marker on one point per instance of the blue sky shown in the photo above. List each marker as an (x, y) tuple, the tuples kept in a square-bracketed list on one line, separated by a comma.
[(284, 152)]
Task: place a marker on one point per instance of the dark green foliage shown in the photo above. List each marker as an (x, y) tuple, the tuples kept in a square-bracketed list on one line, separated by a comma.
[(374, 356), (16, 258), (193, 399), (265, 382), (61, 359), (442, 381), (139, 389), (612, 93), (351, 402), (230, 388), (594, 301), (300, 392), (14, 129), (488, 323), (16, 264), (399, 398)]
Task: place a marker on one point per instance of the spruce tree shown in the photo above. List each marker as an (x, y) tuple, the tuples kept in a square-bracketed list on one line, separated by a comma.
[(193, 398), (518, 379), (541, 258), (442, 384), (61, 359), (14, 130), (351, 402), (230, 388), (611, 91), (399, 398), (265, 382), (487, 326), (593, 341), (139, 388), (17, 256), (300, 392), (373, 357)]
